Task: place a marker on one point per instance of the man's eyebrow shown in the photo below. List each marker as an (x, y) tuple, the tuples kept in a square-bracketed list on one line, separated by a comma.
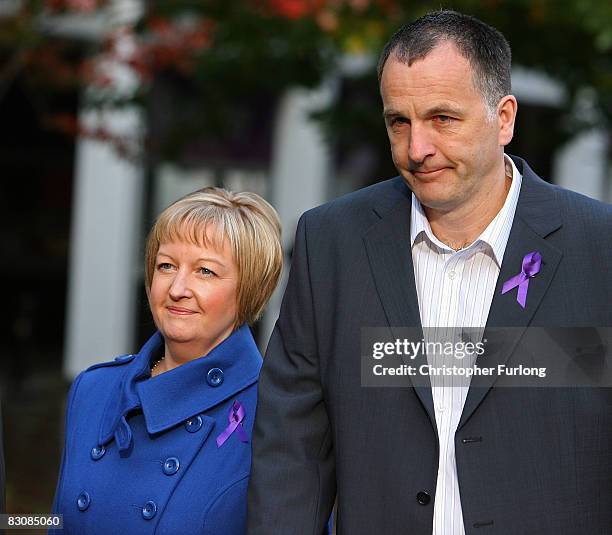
[(388, 114), (438, 109), (444, 109)]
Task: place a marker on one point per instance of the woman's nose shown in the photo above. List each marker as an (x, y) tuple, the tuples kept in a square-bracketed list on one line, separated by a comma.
[(181, 286)]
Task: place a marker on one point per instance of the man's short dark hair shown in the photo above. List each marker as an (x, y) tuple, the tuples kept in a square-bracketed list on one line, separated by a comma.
[(485, 48)]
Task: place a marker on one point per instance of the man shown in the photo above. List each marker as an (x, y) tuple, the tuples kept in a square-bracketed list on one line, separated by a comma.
[(434, 249)]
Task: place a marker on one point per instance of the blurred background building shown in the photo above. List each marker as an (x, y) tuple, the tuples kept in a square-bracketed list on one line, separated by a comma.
[(112, 109)]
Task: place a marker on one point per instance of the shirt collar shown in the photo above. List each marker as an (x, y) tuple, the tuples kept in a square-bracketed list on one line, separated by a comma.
[(495, 235), (178, 394)]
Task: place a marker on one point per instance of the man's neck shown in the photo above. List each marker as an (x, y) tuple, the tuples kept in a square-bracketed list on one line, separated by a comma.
[(459, 228)]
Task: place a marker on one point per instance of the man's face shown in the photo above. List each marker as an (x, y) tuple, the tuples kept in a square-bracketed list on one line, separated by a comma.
[(443, 142)]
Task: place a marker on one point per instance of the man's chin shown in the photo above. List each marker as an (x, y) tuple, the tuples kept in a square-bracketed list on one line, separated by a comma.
[(435, 180), (433, 195)]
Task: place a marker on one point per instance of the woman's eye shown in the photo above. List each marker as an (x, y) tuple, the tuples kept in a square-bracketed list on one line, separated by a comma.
[(164, 266), (206, 271)]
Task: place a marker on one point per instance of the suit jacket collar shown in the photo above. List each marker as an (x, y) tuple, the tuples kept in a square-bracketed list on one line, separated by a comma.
[(175, 396), (538, 206), (387, 244), (537, 216)]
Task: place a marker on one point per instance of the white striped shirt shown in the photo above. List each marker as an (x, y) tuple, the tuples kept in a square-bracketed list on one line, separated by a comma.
[(455, 289)]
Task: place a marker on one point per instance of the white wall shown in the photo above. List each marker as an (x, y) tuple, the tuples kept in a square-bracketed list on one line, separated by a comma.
[(105, 248), (581, 164)]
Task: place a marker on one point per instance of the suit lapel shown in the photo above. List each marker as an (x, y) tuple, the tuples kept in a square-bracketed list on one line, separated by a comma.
[(387, 245), (537, 215)]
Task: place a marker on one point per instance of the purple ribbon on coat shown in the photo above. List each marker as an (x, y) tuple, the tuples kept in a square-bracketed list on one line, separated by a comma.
[(235, 416), (530, 268)]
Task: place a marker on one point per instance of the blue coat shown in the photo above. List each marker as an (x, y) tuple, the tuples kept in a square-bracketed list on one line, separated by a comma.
[(141, 454)]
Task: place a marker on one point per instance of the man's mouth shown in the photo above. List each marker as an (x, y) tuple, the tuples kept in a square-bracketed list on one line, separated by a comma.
[(428, 173)]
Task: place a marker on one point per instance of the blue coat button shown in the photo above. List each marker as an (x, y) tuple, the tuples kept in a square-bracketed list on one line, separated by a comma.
[(193, 425), (149, 510), (83, 501), (171, 466), (214, 377), (97, 452)]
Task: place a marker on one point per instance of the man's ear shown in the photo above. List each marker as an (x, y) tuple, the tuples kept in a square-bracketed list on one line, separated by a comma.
[(506, 115)]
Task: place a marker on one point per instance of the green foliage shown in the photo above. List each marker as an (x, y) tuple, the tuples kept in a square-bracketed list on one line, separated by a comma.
[(221, 57)]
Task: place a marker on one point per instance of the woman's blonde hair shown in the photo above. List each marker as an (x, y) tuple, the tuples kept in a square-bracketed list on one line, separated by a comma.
[(252, 228)]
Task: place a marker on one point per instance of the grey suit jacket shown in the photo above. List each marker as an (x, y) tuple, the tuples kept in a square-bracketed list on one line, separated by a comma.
[(529, 460)]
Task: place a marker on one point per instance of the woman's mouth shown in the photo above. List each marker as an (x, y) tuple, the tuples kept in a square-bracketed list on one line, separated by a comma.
[(180, 311)]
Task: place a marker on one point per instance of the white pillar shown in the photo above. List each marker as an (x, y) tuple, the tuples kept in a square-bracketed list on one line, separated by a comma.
[(581, 165), (105, 245), (105, 250)]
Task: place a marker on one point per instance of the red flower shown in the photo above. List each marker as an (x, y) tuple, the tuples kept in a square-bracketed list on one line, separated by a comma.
[(296, 9), (292, 9), (84, 6)]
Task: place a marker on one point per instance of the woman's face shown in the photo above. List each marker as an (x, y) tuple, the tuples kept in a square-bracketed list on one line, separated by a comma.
[(193, 297)]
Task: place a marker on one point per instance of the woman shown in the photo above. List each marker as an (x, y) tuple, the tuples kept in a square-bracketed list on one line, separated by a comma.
[(158, 442)]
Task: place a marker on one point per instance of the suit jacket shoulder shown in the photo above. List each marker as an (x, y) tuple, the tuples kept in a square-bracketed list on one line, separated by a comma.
[(588, 214), (359, 206)]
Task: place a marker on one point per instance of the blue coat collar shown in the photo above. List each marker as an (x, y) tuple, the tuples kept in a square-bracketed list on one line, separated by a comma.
[(179, 394)]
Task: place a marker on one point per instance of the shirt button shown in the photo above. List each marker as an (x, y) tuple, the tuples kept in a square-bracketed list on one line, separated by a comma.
[(149, 510), (171, 466), (193, 425), (423, 497), (214, 377), (451, 275), (97, 452), (83, 501)]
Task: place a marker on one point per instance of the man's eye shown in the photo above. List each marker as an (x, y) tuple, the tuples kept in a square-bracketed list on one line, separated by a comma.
[(398, 121), (444, 119)]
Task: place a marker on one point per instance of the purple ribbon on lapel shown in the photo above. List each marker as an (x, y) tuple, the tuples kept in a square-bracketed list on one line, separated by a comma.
[(530, 268), (235, 416)]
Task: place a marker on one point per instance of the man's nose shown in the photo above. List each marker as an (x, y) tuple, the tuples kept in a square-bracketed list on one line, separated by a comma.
[(181, 286), (420, 144)]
